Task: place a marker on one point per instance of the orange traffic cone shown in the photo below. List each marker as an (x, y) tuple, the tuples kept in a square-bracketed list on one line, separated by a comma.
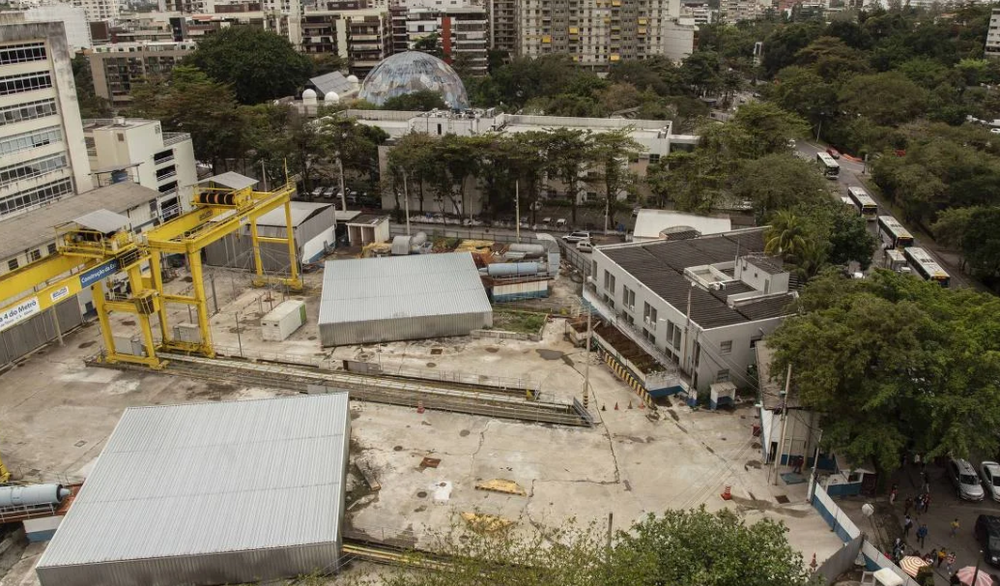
[(728, 493), (616, 405), (642, 405)]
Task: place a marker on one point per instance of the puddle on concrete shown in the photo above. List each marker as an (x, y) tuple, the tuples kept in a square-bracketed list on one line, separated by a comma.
[(754, 464), (431, 365), (311, 338), (422, 494), (464, 433), (87, 344), (673, 414), (436, 351), (550, 354), (128, 322), (492, 349)]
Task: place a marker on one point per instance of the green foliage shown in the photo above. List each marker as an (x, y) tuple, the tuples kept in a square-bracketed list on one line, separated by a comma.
[(419, 101), (259, 65), (91, 105), (778, 181), (892, 360)]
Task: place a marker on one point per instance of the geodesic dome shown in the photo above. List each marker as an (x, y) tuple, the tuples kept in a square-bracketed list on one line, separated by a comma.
[(413, 71)]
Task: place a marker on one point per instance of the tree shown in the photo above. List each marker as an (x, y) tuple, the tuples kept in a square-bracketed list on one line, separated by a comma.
[(429, 44), (786, 236), (458, 161), (768, 127), (895, 363), (885, 98), (951, 226), (831, 59), (91, 104), (419, 101), (613, 151), (259, 65), (569, 151), (777, 182), (799, 90), (981, 242), (327, 63), (413, 155), (849, 239)]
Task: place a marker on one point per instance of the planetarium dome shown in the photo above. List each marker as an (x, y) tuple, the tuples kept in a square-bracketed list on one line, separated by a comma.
[(413, 71)]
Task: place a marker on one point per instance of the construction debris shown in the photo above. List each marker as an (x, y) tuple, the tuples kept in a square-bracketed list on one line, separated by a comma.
[(369, 475), (486, 523), (502, 485), (430, 462)]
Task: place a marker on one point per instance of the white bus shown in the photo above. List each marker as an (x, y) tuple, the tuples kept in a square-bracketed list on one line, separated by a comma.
[(863, 202), (926, 266), (893, 234), (831, 168)]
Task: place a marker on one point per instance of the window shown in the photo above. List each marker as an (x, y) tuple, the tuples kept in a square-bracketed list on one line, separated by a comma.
[(29, 140), (40, 194), (26, 82), (649, 336), (439, 130), (654, 158), (12, 264), (32, 168), (628, 319), (649, 315), (722, 376), (35, 254), (165, 172), (609, 282), (726, 347), (628, 298), (52, 248), (168, 187), (22, 53), (593, 268), (27, 111)]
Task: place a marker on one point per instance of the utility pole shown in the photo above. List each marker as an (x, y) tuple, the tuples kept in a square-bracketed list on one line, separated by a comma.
[(343, 193), (406, 204), (687, 326), (586, 366), (239, 339), (263, 174), (517, 209), (784, 423)]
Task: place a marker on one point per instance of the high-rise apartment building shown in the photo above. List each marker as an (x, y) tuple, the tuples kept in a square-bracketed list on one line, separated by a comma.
[(115, 67), (503, 25), (73, 18), (43, 156), (737, 10), (360, 36), (462, 33), (993, 35), (99, 10), (598, 33)]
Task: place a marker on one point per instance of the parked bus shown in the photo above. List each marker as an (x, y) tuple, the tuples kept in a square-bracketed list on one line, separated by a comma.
[(892, 233), (863, 202), (831, 168), (895, 261), (926, 266)]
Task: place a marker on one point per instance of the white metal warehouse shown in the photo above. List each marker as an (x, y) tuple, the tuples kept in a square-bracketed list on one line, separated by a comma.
[(209, 493), (402, 298)]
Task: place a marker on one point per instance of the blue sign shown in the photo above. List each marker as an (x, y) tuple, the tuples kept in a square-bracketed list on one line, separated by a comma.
[(97, 273)]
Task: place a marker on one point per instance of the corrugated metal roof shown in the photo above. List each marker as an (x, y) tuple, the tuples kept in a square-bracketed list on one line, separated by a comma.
[(206, 478), (103, 221), (37, 227), (301, 211), (331, 82), (229, 179), (358, 290)]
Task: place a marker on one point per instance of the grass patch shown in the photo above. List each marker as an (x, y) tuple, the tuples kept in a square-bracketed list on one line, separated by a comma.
[(518, 321)]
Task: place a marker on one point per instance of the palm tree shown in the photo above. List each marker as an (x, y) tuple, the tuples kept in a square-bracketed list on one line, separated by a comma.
[(787, 236)]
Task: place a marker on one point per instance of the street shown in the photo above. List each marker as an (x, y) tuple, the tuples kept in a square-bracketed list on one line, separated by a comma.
[(850, 176)]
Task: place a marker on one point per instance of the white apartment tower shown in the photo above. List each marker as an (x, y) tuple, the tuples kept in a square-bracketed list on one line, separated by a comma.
[(993, 35), (99, 10), (43, 156)]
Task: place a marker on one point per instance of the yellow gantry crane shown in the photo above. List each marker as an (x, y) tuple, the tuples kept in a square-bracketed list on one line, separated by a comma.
[(100, 245)]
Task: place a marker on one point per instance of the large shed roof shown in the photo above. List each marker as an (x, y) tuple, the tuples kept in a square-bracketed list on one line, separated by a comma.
[(301, 211), (370, 289), (208, 478)]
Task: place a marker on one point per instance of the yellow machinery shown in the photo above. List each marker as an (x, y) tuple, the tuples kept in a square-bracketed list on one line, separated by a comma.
[(87, 252)]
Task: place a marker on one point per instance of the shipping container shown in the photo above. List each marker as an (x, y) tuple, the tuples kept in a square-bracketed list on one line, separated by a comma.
[(506, 292), (282, 321)]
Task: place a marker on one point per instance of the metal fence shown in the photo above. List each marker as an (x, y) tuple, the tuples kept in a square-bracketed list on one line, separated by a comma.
[(505, 236)]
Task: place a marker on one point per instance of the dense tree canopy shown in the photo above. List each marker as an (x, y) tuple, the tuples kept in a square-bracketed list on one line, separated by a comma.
[(259, 65)]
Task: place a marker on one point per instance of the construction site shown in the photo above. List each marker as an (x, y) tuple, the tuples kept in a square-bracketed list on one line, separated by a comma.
[(395, 398)]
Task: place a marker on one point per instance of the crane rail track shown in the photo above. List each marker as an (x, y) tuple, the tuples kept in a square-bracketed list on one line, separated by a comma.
[(405, 393)]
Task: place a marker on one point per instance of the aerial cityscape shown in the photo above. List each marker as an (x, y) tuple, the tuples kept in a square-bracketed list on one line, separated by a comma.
[(513, 292)]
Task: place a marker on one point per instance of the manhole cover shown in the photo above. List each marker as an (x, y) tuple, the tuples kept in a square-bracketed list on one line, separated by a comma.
[(431, 365), (80, 443), (464, 433), (421, 494), (397, 448), (311, 338), (782, 499)]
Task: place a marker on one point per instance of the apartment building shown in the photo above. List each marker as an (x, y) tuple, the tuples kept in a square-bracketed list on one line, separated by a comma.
[(736, 10), (42, 152), (599, 33), (993, 35), (99, 10), (502, 16), (139, 151), (462, 32), (361, 36), (699, 12), (117, 66)]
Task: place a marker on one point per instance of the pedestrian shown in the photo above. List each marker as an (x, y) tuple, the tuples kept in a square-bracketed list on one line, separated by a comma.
[(941, 555), (907, 525), (907, 505), (892, 494), (927, 485), (922, 533), (927, 502), (950, 561), (954, 527), (920, 502)]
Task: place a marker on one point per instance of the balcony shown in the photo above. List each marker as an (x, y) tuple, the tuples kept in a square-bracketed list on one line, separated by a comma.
[(171, 138)]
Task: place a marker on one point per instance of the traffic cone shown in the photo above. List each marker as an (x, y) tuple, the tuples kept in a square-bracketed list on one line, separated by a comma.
[(604, 407), (813, 565), (420, 406), (642, 405), (616, 405), (630, 404), (728, 493)]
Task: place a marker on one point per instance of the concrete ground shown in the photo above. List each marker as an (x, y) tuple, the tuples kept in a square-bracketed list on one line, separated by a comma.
[(57, 413)]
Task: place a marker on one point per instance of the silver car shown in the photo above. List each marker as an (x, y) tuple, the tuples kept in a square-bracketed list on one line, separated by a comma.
[(965, 479), (990, 473)]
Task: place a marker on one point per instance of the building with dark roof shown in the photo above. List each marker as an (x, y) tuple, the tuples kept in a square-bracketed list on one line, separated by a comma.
[(702, 302)]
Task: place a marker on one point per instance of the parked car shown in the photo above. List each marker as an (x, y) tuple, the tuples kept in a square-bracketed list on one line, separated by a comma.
[(330, 192), (966, 482), (833, 152), (584, 246), (995, 130), (990, 473), (318, 192), (987, 532), (561, 223), (577, 237)]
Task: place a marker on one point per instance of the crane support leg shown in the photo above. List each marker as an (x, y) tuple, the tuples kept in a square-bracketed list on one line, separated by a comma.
[(293, 263), (201, 303), (156, 274), (102, 316)]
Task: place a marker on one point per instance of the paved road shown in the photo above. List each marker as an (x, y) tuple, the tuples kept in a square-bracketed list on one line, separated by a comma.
[(850, 176)]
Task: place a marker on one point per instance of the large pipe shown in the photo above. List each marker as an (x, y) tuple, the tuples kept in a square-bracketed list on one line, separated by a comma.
[(513, 269), (32, 495), (529, 250)]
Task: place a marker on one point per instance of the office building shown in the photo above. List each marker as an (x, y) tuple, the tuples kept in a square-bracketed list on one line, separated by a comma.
[(140, 151), (993, 35), (117, 66), (701, 303), (462, 33), (599, 33), (42, 152)]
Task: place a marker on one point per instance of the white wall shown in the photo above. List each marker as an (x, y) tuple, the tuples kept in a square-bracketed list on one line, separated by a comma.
[(74, 20)]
